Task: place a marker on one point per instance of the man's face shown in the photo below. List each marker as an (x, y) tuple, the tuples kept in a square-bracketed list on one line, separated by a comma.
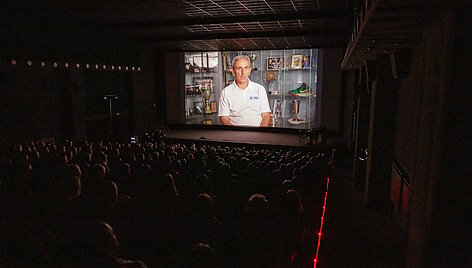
[(241, 71)]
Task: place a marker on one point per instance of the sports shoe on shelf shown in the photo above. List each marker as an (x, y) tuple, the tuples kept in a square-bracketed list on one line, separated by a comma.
[(301, 91)]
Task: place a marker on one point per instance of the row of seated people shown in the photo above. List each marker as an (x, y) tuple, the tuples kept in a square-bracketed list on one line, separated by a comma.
[(158, 204)]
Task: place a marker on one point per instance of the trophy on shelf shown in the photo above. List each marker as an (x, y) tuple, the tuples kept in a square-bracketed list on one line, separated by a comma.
[(296, 110), (270, 78), (206, 95), (253, 61), (273, 120)]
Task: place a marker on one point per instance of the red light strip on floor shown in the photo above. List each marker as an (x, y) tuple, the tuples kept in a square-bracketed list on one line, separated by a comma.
[(321, 225)]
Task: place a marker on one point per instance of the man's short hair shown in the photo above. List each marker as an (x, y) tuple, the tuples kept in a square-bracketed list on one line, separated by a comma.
[(240, 57)]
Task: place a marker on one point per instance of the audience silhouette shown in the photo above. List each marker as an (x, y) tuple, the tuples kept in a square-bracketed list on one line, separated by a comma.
[(169, 203)]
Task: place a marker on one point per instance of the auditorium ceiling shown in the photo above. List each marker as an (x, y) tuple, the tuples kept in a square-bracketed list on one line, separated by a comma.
[(363, 28), (194, 25)]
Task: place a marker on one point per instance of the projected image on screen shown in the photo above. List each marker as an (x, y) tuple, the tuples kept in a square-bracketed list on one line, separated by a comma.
[(265, 88)]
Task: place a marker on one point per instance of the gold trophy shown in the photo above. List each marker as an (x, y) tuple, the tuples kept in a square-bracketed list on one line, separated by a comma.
[(253, 61), (206, 94)]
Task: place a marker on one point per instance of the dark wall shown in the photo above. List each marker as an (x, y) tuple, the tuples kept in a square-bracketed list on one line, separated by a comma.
[(409, 94), (42, 34), (174, 93), (28, 104), (146, 101), (349, 106), (433, 137), (97, 85), (426, 126), (331, 90), (62, 101)]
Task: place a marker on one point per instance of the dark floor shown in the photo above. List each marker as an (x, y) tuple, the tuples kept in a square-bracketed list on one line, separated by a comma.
[(354, 235)]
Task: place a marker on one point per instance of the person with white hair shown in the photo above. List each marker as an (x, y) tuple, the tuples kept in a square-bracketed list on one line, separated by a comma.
[(244, 102)]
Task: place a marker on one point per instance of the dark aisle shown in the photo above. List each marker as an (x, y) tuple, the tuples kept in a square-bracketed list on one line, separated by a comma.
[(356, 236)]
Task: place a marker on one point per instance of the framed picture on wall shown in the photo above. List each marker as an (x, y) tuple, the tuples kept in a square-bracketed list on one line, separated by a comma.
[(306, 62), (213, 106), (198, 107), (297, 61), (275, 63)]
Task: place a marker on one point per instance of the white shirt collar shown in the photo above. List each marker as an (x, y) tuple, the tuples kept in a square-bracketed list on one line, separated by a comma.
[(240, 89)]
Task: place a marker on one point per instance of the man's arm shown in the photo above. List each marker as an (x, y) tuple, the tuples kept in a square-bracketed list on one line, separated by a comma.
[(225, 120), (265, 119)]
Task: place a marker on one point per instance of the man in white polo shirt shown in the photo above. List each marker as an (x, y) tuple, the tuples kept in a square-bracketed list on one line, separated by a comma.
[(243, 103)]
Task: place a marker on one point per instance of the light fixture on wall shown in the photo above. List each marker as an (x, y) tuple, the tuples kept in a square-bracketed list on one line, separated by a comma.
[(67, 65)]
